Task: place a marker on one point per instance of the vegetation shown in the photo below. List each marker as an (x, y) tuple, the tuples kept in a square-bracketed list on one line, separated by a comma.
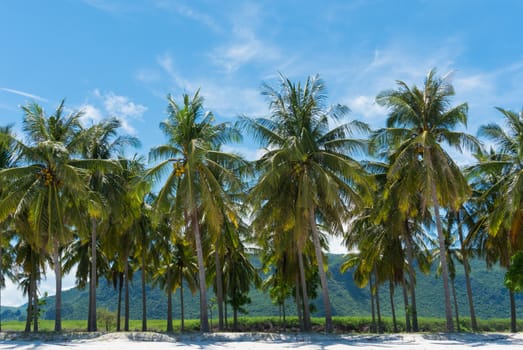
[(226, 228)]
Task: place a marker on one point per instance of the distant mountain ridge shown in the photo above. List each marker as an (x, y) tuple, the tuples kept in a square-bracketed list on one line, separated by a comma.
[(490, 298)]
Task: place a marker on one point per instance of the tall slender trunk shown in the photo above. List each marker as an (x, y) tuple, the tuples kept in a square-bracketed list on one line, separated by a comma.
[(412, 277), (305, 296), (321, 272), (408, 327), (182, 309), (226, 315), (378, 308), (392, 307), (443, 259), (91, 322), (284, 316), (235, 319), (36, 311), (144, 296), (58, 275), (119, 307), (29, 307), (372, 305), (219, 288), (126, 302), (456, 311), (513, 324), (204, 317), (441, 239), (169, 303), (466, 267), (299, 305)]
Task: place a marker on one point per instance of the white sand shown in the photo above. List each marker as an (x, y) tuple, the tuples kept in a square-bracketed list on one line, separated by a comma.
[(260, 341)]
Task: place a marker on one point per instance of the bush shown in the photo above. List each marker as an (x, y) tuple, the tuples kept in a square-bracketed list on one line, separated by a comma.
[(106, 318)]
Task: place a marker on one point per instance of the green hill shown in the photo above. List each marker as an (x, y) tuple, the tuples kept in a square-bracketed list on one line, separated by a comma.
[(490, 297)]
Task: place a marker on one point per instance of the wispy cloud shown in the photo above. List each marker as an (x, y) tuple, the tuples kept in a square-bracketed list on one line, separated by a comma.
[(116, 6), (190, 13), (25, 94), (227, 100), (103, 5), (244, 44), (112, 105)]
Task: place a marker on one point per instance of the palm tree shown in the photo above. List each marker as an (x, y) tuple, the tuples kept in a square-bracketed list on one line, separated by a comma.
[(51, 183), (500, 181), (507, 212), (308, 157), (192, 158), (7, 160), (420, 121), (102, 142)]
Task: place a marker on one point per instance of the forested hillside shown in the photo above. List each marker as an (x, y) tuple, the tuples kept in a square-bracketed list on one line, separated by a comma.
[(491, 299)]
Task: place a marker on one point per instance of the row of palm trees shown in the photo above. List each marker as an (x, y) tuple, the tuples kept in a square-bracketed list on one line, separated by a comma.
[(70, 197)]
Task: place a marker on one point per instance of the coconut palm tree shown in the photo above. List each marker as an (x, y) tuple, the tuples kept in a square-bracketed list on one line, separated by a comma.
[(312, 160), (51, 183), (507, 214), (8, 157), (497, 177), (191, 159), (102, 142), (419, 123)]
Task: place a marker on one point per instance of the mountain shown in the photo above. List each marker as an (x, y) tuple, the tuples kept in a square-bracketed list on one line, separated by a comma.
[(490, 298)]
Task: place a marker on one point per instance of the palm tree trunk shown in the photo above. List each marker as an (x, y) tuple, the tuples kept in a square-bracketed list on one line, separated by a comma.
[(321, 272), (204, 318), (126, 302), (453, 284), (91, 323), (392, 307), (58, 275), (36, 311), (372, 305), (226, 315), (305, 297), (169, 303), (513, 324), (29, 306), (144, 296), (182, 309), (466, 266), (442, 252), (299, 305), (284, 316), (408, 327), (219, 288), (119, 310), (412, 277), (235, 319), (378, 308)]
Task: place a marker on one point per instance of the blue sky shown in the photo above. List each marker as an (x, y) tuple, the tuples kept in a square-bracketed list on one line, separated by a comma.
[(121, 58)]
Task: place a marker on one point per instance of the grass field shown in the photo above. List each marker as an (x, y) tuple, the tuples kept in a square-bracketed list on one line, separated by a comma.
[(272, 324)]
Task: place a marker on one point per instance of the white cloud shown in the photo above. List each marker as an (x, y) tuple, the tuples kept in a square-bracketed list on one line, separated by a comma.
[(25, 94), (245, 45), (12, 296), (112, 105), (245, 48), (366, 109), (91, 113), (227, 100), (189, 12)]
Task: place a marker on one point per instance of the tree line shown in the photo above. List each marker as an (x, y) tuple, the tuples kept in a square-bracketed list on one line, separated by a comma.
[(73, 199)]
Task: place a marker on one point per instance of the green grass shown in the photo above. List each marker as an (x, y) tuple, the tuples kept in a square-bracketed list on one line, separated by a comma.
[(273, 324)]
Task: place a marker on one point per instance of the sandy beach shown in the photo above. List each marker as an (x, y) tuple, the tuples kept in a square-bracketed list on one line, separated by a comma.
[(268, 341)]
